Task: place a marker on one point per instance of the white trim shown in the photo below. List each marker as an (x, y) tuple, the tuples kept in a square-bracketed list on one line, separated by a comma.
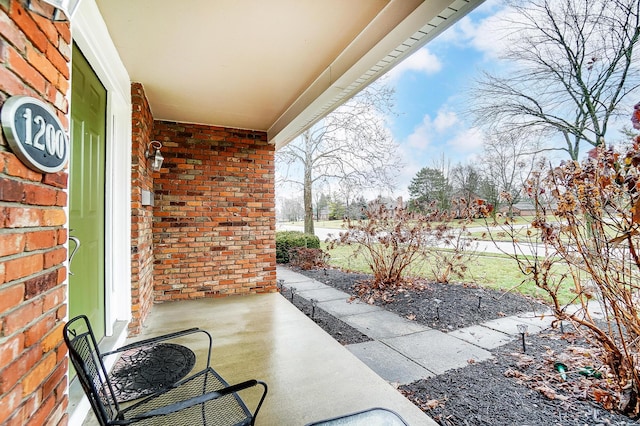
[(90, 34)]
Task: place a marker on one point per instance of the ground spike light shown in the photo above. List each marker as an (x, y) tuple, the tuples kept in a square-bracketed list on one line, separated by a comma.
[(314, 303), (293, 292), (522, 329), (437, 302), (280, 284), (479, 294)]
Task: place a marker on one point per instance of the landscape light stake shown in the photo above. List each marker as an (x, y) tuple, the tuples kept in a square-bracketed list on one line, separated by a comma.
[(314, 303), (280, 284), (293, 292), (437, 302), (479, 293), (522, 329), (562, 327)]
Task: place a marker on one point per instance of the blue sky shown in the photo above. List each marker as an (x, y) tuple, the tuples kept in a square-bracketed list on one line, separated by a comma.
[(430, 87), (430, 93)]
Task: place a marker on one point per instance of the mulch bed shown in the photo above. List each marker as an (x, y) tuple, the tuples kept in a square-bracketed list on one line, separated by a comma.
[(445, 307), (513, 388)]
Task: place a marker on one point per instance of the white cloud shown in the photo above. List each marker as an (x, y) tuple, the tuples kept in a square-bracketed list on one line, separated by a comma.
[(492, 34), (424, 133), (489, 6), (422, 61), (467, 141), (489, 34), (412, 165), (445, 120), (459, 33)]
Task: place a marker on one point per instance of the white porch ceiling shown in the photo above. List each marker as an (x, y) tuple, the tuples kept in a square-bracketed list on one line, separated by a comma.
[(269, 65)]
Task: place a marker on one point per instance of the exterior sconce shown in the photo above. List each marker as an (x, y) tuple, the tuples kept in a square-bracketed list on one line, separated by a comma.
[(156, 156), (60, 10)]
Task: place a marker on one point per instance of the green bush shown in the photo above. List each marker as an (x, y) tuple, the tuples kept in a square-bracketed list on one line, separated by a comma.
[(286, 240)]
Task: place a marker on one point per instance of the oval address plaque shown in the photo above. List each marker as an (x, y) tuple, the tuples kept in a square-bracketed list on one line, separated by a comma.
[(35, 134)]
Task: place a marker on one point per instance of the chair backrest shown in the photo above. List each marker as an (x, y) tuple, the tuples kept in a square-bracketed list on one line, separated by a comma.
[(92, 374)]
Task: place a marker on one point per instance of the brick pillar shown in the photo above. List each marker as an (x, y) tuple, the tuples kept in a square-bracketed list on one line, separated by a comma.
[(34, 61), (141, 216), (214, 215)]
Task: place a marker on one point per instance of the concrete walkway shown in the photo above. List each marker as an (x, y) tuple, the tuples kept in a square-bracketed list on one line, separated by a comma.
[(402, 351)]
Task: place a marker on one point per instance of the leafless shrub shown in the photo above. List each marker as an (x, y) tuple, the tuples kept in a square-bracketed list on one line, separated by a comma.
[(308, 258), (395, 242), (588, 217)]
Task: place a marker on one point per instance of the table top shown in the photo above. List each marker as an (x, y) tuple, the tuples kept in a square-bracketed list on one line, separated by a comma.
[(371, 417), (147, 369)]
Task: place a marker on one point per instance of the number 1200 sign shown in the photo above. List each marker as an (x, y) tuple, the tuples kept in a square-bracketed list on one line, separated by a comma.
[(35, 134)]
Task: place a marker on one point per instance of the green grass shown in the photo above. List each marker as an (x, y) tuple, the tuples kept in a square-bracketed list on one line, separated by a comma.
[(493, 271)]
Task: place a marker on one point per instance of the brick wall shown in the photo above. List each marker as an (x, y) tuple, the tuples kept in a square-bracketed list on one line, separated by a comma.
[(34, 61), (141, 216), (214, 220)]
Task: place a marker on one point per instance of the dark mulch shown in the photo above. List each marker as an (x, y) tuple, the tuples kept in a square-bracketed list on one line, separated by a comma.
[(513, 388), (340, 331), (445, 307)]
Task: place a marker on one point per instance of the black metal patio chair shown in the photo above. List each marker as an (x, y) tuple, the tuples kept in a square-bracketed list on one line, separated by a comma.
[(202, 398)]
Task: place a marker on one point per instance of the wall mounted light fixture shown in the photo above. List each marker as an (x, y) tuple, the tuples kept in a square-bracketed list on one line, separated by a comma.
[(55, 10), (156, 155)]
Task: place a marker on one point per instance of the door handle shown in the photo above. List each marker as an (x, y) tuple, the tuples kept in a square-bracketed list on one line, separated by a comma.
[(73, 252)]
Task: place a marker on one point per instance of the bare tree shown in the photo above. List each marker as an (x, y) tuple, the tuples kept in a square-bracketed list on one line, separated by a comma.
[(351, 146), (466, 182), (291, 209), (507, 162), (571, 63)]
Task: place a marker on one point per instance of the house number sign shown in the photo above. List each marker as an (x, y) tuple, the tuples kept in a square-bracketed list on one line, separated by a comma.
[(35, 134)]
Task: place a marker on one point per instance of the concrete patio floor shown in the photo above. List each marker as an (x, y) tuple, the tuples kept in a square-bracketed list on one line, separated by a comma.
[(310, 375)]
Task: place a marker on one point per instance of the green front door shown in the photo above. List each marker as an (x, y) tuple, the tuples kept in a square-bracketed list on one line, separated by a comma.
[(86, 194)]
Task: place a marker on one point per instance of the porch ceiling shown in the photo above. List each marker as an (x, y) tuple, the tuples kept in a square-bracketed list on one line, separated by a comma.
[(276, 66)]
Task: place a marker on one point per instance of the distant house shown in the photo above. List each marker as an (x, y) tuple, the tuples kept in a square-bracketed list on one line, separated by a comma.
[(522, 208), (323, 214)]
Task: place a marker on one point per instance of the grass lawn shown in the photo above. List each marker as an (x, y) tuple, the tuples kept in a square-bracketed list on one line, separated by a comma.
[(486, 270), (476, 223)]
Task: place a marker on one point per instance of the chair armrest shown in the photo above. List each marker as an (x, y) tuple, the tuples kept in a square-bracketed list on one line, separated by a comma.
[(181, 405), (164, 337), (264, 394)]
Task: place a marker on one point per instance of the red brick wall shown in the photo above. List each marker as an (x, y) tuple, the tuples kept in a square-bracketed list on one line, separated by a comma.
[(214, 215), (141, 216), (34, 61)]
